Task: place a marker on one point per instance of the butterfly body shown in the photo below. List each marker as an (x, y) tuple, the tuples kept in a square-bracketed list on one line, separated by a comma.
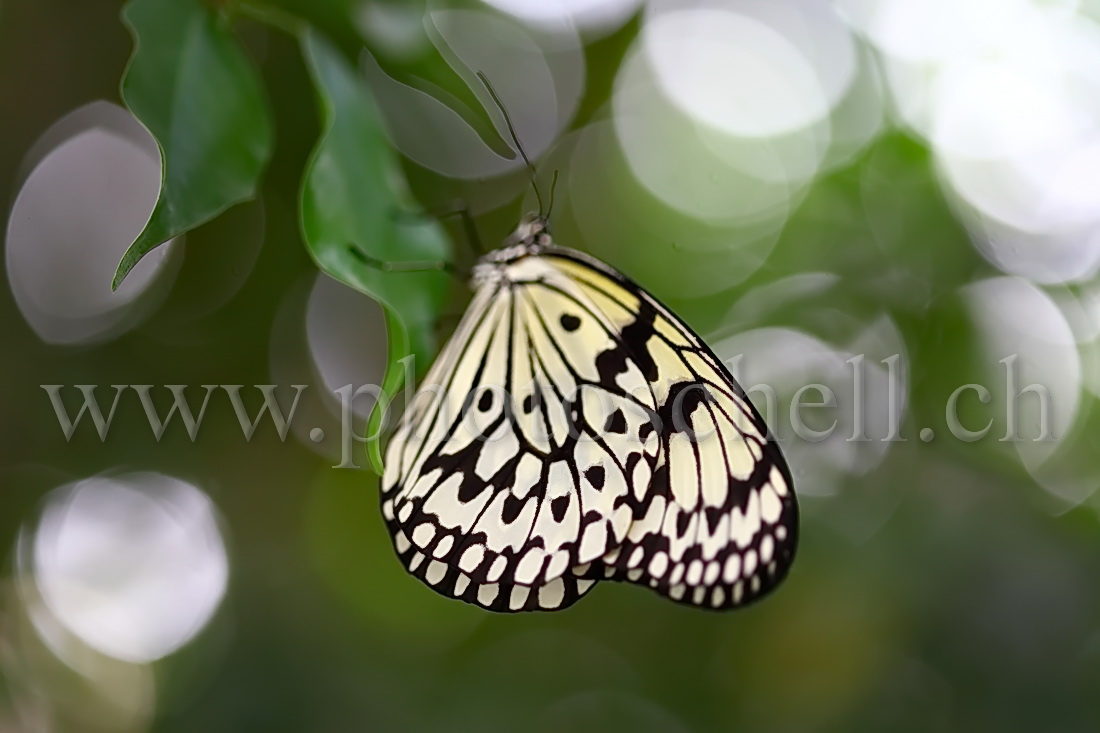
[(574, 430)]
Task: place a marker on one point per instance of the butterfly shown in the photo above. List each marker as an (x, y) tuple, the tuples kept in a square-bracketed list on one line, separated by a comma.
[(574, 430)]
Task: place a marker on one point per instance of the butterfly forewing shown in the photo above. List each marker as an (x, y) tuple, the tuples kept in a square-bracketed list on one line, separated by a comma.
[(509, 493), (575, 429)]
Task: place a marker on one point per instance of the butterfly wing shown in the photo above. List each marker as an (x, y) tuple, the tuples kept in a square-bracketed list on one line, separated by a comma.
[(450, 581), (717, 523), (574, 428), (488, 473)]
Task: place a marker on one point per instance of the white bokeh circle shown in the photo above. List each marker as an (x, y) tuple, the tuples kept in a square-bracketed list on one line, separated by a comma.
[(134, 565)]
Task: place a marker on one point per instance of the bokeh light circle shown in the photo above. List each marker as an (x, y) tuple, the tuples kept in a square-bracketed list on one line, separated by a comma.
[(711, 62), (585, 14), (134, 565), (79, 208), (346, 336), (1018, 321), (675, 159)]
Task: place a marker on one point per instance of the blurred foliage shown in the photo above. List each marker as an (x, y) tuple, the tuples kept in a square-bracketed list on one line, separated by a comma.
[(356, 218), (196, 91), (191, 85)]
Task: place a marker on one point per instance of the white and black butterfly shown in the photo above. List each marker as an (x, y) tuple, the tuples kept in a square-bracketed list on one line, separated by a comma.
[(573, 430)]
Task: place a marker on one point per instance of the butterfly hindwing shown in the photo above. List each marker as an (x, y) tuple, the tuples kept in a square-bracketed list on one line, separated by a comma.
[(717, 525)]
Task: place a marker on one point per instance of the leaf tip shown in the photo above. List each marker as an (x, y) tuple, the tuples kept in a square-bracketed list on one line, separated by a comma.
[(121, 272)]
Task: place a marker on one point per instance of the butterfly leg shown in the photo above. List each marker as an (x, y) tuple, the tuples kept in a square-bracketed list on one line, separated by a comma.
[(404, 266), (459, 209)]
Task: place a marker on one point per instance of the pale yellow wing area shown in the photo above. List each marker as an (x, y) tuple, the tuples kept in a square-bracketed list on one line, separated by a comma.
[(497, 470), (574, 429), (717, 523)]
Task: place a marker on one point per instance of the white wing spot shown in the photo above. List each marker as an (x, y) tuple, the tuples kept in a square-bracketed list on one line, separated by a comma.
[(528, 473), (519, 596), (436, 572), (496, 569), (744, 526), (767, 546), (552, 594), (770, 505), (620, 522), (641, 478), (494, 454), (593, 544), (530, 565), (750, 562), (444, 546), (423, 534), (471, 558), (559, 562), (732, 569), (486, 594), (777, 480)]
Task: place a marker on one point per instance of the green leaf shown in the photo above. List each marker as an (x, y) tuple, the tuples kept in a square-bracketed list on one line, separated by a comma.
[(353, 200), (196, 91)]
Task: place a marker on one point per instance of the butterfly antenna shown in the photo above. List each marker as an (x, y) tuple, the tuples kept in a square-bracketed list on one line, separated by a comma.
[(515, 138), (553, 187)]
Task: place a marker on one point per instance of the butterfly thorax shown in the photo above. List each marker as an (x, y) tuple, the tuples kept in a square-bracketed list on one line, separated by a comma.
[(529, 238)]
